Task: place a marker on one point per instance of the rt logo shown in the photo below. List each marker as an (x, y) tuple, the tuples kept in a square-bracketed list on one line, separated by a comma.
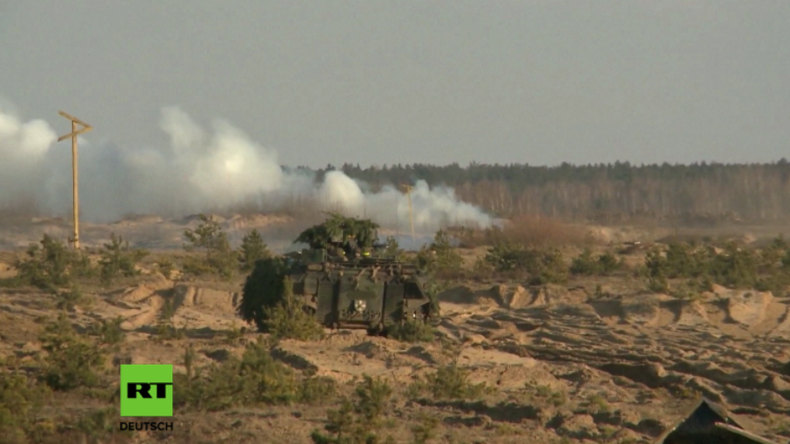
[(146, 390)]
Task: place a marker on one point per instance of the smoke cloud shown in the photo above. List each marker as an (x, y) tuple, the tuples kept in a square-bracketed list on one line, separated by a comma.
[(199, 170)]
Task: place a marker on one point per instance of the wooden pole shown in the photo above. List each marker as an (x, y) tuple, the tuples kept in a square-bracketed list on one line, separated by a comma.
[(75, 187), (408, 189), (74, 171)]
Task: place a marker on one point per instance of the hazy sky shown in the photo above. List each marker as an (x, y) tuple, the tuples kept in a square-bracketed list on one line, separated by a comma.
[(322, 82)]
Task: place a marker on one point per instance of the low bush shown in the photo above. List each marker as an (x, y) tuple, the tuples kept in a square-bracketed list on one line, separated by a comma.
[(531, 231), (209, 237), (412, 331), (288, 320), (359, 419), (119, 260), (52, 264), (255, 379), (602, 265), (263, 290), (448, 382), (21, 400), (700, 266), (541, 266), (439, 257), (70, 299), (72, 360)]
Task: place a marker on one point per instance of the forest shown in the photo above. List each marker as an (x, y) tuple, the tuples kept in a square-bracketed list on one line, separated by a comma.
[(699, 193)]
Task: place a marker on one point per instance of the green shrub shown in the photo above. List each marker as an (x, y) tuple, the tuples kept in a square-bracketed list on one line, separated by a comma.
[(209, 236), (109, 332), (603, 265), (52, 265), (541, 265), (317, 390), (288, 319), (264, 288), (252, 249), (72, 360), (412, 331), (166, 267), (95, 426), (393, 248), (358, 419), (733, 267), (425, 430), (21, 400), (339, 228), (546, 394), (256, 378), (440, 257), (448, 382), (69, 299), (119, 260)]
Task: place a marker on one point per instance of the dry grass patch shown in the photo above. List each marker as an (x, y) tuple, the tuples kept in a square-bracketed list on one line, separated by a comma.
[(531, 231)]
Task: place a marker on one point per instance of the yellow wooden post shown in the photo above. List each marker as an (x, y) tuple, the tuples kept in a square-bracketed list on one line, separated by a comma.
[(74, 173), (408, 189)]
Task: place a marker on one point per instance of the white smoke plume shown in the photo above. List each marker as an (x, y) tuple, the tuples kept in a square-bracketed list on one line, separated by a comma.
[(197, 171)]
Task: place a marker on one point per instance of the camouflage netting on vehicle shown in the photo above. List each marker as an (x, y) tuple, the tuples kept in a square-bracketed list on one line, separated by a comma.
[(338, 229)]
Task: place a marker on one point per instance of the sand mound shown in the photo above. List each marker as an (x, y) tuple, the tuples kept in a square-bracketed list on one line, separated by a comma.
[(239, 222), (138, 220), (463, 295), (644, 311), (748, 307), (519, 297), (217, 301), (155, 282), (516, 298), (7, 270)]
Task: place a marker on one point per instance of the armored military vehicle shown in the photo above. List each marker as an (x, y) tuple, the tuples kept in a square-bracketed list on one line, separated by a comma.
[(346, 280), (372, 292)]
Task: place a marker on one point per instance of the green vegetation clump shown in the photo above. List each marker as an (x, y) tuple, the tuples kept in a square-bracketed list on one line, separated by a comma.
[(119, 260), (209, 237), (700, 266), (393, 248), (412, 331), (288, 320), (255, 379), (359, 419), (21, 401), (72, 360), (541, 266), (263, 290), (52, 264), (448, 382), (70, 299), (252, 249), (440, 258), (220, 258), (603, 265), (337, 229)]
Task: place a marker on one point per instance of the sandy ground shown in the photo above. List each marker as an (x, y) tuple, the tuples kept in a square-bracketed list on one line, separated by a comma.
[(566, 365), (621, 366)]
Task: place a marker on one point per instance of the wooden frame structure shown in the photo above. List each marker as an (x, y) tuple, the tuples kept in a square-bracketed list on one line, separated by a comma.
[(75, 177)]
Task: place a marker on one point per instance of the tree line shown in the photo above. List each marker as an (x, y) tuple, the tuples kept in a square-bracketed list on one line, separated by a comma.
[(698, 192)]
